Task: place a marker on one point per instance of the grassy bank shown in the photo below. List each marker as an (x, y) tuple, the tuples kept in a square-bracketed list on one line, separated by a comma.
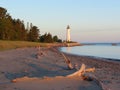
[(6, 45)]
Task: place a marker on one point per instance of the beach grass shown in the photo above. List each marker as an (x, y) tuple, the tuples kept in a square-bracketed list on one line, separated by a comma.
[(6, 45)]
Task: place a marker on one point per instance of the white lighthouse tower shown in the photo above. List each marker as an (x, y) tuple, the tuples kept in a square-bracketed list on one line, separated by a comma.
[(68, 34)]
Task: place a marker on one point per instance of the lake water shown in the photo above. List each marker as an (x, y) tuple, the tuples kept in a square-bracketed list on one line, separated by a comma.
[(98, 50)]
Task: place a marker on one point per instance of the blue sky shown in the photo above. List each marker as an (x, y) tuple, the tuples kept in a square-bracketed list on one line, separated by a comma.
[(90, 20)]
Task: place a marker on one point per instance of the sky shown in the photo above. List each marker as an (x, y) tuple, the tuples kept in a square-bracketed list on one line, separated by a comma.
[(89, 20)]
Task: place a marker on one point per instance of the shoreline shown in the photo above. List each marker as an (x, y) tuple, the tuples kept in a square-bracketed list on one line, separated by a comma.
[(111, 67), (50, 65), (101, 57), (107, 71)]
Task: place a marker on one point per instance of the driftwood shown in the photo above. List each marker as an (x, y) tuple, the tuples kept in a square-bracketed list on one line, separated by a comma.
[(40, 53), (79, 72), (67, 62), (82, 71), (23, 79)]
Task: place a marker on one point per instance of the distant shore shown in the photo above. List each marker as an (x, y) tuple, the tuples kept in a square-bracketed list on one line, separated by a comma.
[(47, 67)]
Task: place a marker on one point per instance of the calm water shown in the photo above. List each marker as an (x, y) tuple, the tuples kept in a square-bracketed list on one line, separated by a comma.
[(98, 50)]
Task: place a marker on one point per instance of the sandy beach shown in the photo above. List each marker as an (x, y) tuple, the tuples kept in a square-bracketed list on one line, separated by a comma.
[(49, 70)]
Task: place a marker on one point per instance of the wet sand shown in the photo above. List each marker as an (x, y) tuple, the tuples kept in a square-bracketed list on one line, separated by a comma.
[(48, 71)]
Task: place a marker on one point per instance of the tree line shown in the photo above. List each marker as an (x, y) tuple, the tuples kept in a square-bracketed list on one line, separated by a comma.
[(48, 38), (14, 29)]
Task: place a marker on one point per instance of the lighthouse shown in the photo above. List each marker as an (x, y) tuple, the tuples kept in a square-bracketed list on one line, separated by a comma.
[(68, 34)]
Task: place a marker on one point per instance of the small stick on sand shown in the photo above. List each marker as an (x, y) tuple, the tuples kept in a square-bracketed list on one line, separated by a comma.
[(40, 53)]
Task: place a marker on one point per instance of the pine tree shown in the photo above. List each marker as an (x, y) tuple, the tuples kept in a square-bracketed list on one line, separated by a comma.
[(14, 29), (55, 38), (33, 34)]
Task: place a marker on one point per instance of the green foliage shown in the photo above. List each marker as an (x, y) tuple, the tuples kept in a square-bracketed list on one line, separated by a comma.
[(59, 40), (46, 38), (5, 24), (14, 29), (20, 33), (33, 34), (55, 38), (3, 13)]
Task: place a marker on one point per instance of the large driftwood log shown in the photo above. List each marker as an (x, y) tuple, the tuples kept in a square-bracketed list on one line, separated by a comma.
[(67, 62), (91, 77), (87, 76), (79, 72), (82, 71), (90, 70)]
